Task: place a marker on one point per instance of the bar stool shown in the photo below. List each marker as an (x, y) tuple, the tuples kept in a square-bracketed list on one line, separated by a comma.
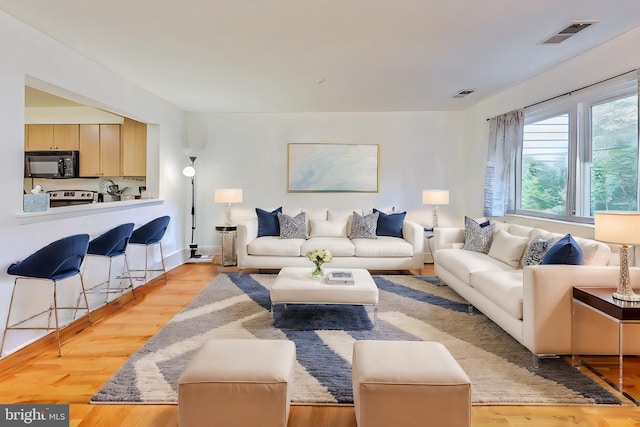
[(56, 261), (148, 235), (112, 244)]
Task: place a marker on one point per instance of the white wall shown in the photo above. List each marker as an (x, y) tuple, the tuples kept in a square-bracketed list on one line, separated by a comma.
[(605, 61), (30, 57), (418, 150)]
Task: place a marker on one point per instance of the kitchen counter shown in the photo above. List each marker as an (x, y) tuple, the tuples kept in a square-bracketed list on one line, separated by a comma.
[(82, 210)]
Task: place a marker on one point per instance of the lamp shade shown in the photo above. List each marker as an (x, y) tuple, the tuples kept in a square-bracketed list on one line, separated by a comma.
[(435, 197), (189, 171), (620, 227), (228, 195)]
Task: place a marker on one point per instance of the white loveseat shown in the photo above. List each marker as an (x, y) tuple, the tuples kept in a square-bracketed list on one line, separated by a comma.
[(534, 303), (329, 229)]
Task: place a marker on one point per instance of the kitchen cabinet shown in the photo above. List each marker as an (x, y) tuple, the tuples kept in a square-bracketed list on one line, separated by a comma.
[(133, 153), (41, 137), (99, 150)]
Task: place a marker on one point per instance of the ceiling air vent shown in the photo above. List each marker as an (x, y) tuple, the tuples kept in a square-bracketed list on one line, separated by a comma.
[(574, 28), (464, 92)]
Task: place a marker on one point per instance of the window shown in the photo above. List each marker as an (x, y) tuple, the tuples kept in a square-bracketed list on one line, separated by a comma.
[(580, 153)]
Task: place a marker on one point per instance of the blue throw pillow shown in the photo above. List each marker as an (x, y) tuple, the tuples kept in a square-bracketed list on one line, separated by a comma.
[(389, 224), (564, 251), (268, 224)]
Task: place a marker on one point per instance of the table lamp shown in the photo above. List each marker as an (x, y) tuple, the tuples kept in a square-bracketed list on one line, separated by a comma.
[(435, 198), (228, 196), (622, 228)]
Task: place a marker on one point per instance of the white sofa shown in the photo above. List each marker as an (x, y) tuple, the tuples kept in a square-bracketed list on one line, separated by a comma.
[(381, 253), (534, 303)]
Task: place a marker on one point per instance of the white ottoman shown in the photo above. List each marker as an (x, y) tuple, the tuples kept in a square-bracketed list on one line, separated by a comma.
[(237, 383), (409, 384)]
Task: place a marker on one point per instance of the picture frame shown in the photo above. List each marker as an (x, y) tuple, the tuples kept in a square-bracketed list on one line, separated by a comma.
[(333, 168)]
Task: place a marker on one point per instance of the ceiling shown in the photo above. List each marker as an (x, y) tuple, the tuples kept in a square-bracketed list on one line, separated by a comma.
[(329, 55)]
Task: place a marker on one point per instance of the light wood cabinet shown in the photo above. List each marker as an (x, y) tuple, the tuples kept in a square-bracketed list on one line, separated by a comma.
[(133, 153), (40, 137), (51, 137), (99, 150), (66, 137)]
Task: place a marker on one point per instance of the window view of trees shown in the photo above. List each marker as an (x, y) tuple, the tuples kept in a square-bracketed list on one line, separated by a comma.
[(614, 171), (545, 157), (601, 161)]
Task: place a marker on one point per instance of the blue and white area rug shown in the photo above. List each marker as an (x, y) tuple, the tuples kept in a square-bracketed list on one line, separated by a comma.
[(410, 308)]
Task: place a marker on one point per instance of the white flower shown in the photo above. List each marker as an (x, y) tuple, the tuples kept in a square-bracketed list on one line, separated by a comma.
[(319, 256)]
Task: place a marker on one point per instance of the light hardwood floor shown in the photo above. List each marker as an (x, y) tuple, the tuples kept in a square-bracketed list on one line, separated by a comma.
[(92, 355)]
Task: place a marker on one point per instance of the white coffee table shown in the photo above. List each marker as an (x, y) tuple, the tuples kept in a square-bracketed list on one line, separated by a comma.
[(294, 285)]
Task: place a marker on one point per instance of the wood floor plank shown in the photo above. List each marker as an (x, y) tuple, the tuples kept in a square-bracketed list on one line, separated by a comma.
[(93, 355)]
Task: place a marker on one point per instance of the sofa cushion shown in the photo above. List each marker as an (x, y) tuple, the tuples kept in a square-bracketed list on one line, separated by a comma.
[(275, 246), (520, 230), (389, 224), (293, 227), (536, 248), (462, 263), (268, 224), (504, 288), (476, 237), (323, 228), (364, 226), (564, 251), (338, 246), (594, 252), (383, 246), (507, 247)]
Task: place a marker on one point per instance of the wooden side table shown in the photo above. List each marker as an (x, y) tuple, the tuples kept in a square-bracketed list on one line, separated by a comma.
[(601, 301), (228, 235)]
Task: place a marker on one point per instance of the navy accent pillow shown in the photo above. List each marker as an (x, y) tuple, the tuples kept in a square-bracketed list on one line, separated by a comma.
[(389, 224), (564, 251), (268, 224)]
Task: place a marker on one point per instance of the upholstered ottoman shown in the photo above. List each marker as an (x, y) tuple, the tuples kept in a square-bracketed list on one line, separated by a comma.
[(237, 383), (409, 384)]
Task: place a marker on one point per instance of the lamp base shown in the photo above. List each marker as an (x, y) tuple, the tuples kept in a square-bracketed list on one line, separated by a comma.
[(623, 297), (196, 257), (624, 291)]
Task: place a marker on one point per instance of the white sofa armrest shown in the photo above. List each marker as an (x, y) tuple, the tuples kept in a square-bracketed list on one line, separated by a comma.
[(547, 303), (448, 237), (247, 232), (413, 233)]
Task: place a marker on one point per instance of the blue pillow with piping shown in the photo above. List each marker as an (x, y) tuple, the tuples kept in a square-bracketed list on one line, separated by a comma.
[(389, 224), (268, 224), (564, 251)]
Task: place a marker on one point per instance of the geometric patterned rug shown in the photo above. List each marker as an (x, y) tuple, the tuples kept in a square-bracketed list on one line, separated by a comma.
[(237, 305)]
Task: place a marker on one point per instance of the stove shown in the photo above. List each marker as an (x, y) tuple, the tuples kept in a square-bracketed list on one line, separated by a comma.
[(59, 198)]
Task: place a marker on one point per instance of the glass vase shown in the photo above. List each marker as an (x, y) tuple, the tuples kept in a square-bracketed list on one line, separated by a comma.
[(317, 271)]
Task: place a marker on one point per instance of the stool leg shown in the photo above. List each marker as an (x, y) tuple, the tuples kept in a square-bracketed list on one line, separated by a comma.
[(126, 265), (55, 311), (164, 270), (106, 298), (86, 301), (6, 325)]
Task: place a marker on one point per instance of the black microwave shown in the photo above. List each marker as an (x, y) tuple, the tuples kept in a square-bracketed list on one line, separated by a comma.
[(51, 164)]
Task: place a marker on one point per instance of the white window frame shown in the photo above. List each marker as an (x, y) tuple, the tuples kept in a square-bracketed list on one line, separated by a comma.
[(578, 106)]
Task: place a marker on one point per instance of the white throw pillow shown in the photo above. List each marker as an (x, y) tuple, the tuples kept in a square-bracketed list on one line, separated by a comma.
[(321, 228), (508, 248)]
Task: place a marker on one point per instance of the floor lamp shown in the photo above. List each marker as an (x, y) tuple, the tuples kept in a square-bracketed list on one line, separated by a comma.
[(190, 172)]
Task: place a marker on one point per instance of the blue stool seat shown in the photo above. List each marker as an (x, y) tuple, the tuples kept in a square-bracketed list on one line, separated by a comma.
[(148, 235), (112, 244), (56, 261)]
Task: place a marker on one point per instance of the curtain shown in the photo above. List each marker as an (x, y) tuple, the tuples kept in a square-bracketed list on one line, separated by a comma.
[(505, 146)]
